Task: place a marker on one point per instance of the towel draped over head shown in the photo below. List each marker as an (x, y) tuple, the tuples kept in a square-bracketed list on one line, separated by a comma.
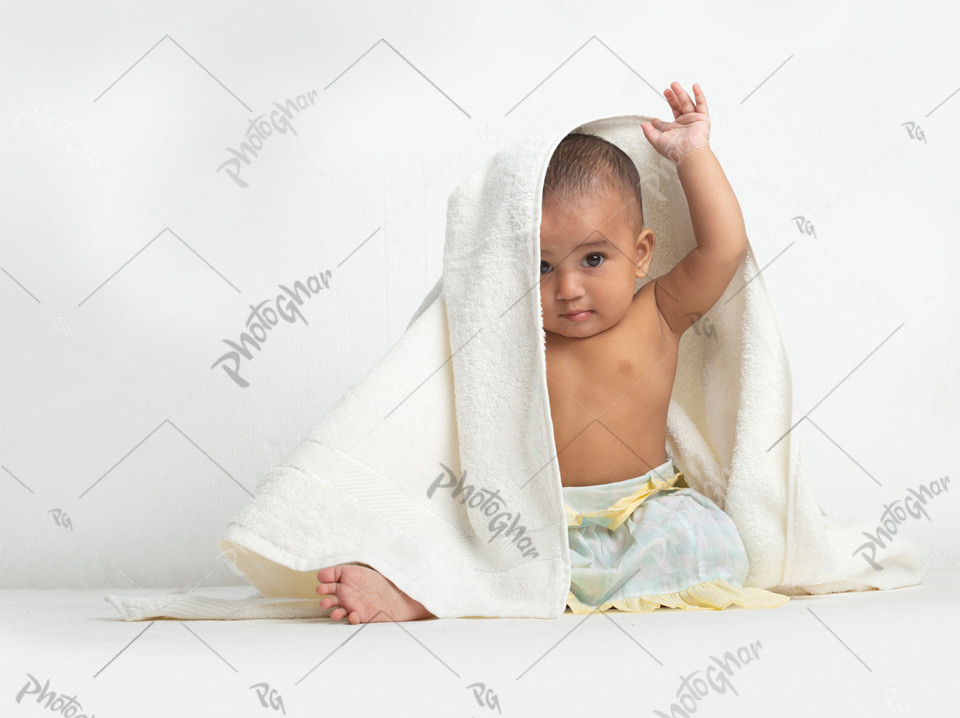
[(439, 468)]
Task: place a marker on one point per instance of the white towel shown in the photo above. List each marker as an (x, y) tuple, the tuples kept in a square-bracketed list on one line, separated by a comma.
[(196, 607), (462, 395)]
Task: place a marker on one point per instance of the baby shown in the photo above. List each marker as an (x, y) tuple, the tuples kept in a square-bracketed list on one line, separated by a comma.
[(638, 534)]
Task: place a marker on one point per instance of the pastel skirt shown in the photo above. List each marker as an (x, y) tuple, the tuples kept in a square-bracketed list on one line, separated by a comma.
[(651, 541)]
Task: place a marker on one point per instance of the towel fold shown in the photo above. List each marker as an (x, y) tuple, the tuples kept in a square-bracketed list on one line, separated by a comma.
[(189, 607)]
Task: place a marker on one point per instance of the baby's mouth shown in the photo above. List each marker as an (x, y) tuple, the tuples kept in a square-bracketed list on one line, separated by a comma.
[(578, 316)]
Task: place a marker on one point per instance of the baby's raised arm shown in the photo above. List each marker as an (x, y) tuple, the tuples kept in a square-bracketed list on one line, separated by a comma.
[(693, 286)]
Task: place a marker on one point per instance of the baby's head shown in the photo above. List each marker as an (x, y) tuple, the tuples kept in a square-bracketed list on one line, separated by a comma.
[(591, 194)]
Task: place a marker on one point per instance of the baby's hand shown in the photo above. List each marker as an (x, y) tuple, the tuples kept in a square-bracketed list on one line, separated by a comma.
[(690, 129)]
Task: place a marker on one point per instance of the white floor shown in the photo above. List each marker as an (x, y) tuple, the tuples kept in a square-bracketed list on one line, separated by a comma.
[(854, 654)]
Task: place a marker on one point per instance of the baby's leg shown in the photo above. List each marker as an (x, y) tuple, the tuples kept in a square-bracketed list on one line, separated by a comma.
[(364, 595)]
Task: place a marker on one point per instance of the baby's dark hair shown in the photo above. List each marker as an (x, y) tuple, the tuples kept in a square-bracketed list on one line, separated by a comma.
[(584, 166)]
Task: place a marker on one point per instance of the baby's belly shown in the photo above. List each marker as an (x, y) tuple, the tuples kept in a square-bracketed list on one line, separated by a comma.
[(603, 454)]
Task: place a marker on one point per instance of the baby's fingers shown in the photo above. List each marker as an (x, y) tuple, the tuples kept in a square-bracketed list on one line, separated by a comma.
[(701, 100), (680, 101), (684, 103), (674, 102)]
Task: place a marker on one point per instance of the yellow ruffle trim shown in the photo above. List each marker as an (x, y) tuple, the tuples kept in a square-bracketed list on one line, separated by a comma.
[(706, 596)]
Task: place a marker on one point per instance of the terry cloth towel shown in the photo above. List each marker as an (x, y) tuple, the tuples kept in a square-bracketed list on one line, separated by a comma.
[(194, 607), (439, 467)]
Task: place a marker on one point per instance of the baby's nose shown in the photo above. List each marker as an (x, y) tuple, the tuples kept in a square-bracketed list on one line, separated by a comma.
[(569, 286)]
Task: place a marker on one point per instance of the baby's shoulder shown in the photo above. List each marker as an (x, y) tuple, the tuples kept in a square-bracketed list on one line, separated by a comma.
[(645, 319)]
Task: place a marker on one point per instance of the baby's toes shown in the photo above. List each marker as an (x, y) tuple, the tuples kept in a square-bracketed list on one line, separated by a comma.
[(326, 589), (338, 613), (328, 574), (328, 602)]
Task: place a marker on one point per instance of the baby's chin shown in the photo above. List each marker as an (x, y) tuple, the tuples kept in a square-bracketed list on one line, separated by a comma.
[(576, 330)]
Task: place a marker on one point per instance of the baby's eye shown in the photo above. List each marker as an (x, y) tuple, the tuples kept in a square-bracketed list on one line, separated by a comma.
[(544, 265), (596, 254)]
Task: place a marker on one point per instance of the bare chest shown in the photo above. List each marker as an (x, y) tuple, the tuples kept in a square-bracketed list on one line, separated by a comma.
[(609, 396)]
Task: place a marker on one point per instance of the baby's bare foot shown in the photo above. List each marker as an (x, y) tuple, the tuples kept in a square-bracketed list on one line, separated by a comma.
[(364, 595)]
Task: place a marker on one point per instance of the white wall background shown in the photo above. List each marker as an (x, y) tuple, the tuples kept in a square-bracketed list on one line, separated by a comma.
[(128, 260)]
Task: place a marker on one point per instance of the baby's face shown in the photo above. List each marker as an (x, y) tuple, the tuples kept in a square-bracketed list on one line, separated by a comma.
[(589, 261)]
